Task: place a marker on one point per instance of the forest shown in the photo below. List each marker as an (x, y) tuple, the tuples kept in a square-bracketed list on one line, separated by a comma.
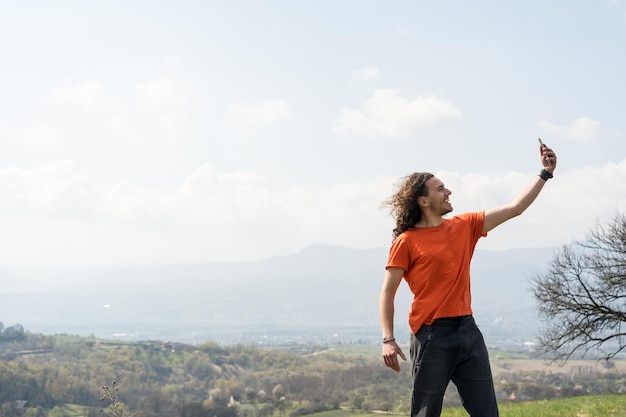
[(42, 375)]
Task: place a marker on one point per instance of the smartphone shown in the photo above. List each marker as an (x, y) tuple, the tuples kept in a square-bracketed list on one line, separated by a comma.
[(542, 144)]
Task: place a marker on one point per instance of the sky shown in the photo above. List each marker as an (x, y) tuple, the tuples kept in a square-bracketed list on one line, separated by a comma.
[(154, 132)]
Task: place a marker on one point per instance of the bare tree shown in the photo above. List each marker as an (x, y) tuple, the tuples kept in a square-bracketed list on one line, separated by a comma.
[(582, 296)]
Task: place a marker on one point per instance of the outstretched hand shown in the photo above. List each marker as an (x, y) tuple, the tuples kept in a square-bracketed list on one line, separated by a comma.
[(548, 158), (391, 351)]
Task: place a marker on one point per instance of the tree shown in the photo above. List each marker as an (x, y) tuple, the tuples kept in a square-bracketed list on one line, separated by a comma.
[(582, 296), (15, 332), (357, 401)]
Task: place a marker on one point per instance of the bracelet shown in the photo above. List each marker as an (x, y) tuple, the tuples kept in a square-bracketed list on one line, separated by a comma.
[(388, 341), (545, 175)]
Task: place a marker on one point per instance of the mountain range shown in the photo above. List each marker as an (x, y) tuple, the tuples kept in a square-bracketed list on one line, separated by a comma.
[(323, 294)]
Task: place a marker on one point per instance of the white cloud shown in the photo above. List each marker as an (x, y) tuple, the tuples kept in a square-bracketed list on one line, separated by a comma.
[(54, 189), (365, 74), (260, 112), (39, 136), (130, 202), (347, 214), (388, 115), (89, 94), (566, 209), (60, 217), (200, 182), (163, 93), (582, 129), (203, 197), (166, 99)]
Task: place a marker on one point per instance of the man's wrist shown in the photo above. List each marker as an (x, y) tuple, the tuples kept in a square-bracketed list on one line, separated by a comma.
[(545, 175), (389, 340)]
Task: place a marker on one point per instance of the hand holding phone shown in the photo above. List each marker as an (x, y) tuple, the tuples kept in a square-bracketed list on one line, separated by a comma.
[(543, 145)]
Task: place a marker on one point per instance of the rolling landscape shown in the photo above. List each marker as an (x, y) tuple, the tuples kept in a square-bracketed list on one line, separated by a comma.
[(294, 334)]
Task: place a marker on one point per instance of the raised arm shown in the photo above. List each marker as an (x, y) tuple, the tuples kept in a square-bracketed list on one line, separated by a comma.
[(498, 215)]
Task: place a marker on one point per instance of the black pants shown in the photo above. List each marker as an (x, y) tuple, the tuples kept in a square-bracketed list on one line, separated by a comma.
[(451, 349)]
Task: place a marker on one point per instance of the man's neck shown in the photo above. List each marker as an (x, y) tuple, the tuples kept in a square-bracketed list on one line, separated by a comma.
[(429, 220)]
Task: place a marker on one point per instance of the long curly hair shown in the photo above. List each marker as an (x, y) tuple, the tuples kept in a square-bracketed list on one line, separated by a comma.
[(403, 204)]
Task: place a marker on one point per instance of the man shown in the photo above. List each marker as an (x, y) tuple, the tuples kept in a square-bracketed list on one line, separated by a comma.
[(433, 255)]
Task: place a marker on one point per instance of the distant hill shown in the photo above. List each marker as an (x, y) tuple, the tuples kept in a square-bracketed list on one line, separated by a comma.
[(321, 294)]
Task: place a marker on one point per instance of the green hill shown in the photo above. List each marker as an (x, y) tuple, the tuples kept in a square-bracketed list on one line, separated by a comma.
[(58, 376)]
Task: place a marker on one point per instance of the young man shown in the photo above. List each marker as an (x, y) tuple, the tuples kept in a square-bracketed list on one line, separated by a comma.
[(433, 255)]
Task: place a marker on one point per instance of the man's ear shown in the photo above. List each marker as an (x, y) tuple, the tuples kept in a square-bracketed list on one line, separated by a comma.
[(422, 201)]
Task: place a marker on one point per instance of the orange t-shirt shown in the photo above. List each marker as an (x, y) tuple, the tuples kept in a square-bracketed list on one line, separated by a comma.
[(436, 263)]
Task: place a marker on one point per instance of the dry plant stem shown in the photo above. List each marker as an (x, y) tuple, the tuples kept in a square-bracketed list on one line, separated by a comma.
[(112, 395)]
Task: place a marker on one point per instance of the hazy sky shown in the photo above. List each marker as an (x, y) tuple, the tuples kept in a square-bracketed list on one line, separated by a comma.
[(147, 132)]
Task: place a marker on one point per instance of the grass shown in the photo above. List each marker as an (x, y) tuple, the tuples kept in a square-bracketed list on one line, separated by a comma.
[(613, 405), (344, 413), (73, 410), (583, 406)]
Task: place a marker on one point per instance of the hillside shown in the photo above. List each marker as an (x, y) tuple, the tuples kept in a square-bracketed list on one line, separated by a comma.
[(50, 375)]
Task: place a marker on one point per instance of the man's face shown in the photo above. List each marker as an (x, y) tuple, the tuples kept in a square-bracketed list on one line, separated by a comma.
[(438, 197)]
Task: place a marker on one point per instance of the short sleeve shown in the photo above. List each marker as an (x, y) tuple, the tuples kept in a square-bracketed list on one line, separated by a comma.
[(476, 220), (399, 254)]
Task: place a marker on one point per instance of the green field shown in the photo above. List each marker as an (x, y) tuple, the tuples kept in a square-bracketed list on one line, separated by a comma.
[(584, 406)]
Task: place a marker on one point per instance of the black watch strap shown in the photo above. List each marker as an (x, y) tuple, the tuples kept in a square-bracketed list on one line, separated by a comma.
[(545, 175)]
